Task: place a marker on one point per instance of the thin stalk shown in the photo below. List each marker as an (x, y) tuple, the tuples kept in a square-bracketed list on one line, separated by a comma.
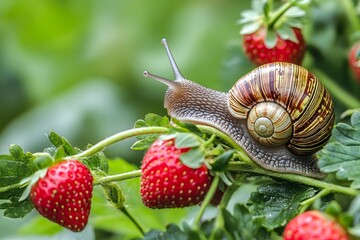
[(336, 91), (332, 188), (305, 204), (240, 152), (12, 186), (207, 199), (133, 220), (279, 13), (118, 177), (119, 137)]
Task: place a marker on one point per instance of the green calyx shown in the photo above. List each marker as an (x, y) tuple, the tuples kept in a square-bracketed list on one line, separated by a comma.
[(277, 20)]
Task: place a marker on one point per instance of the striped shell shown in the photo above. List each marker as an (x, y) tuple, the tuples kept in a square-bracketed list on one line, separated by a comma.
[(284, 104)]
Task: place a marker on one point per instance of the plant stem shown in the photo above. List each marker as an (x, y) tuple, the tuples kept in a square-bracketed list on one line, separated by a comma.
[(336, 90), (118, 177), (133, 220), (349, 112), (238, 166), (279, 13), (305, 204), (119, 137), (12, 186), (240, 152), (207, 199)]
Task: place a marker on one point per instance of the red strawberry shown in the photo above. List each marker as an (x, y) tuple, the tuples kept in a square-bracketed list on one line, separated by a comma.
[(273, 35), (166, 182), (314, 225), (354, 60), (284, 50), (64, 194)]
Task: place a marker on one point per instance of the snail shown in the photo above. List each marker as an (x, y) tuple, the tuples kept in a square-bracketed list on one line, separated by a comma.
[(279, 113)]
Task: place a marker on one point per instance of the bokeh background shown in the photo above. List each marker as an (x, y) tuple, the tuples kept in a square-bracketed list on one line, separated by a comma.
[(75, 66)]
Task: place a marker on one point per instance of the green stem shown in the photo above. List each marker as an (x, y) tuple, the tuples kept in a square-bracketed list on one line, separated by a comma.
[(12, 186), (118, 177), (336, 91), (332, 188), (239, 153), (119, 137), (305, 204), (133, 220), (349, 112), (279, 13), (207, 199)]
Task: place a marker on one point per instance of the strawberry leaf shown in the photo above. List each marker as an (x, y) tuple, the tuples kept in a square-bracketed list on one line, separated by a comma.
[(13, 168), (172, 232), (250, 27), (242, 225), (277, 203), (220, 162), (16, 208), (342, 156), (154, 120), (295, 12), (287, 33), (270, 39), (186, 140), (193, 158)]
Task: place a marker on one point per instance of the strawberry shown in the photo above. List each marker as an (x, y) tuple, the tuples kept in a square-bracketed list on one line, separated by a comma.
[(63, 195), (354, 60), (273, 35), (166, 182), (285, 50), (314, 225)]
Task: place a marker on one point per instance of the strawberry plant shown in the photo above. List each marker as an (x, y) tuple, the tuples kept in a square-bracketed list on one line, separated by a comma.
[(187, 180), (274, 35)]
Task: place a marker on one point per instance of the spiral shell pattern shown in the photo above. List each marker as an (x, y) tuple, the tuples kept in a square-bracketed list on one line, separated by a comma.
[(300, 96)]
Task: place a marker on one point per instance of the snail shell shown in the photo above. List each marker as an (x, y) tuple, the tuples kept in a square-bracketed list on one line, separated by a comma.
[(300, 115), (279, 113)]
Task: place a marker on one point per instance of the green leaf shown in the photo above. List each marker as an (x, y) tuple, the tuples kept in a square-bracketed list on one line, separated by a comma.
[(97, 162), (270, 39), (242, 225), (295, 12), (152, 119), (114, 194), (250, 27), (16, 209), (193, 158), (172, 232), (13, 170), (248, 16), (285, 32), (140, 123), (294, 23), (144, 142), (342, 156), (186, 140), (220, 162), (55, 139), (186, 126), (277, 203)]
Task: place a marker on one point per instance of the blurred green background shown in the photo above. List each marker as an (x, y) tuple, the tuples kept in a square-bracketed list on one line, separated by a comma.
[(76, 66)]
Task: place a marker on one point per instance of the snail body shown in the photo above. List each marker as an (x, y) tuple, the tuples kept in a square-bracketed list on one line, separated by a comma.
[(279, 113)]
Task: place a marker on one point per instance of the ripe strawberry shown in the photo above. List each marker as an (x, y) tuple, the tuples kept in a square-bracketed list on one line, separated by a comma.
[(314, 225), (64, 194), (285, 50), (166, 182), (354, 60), (273, 35)]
